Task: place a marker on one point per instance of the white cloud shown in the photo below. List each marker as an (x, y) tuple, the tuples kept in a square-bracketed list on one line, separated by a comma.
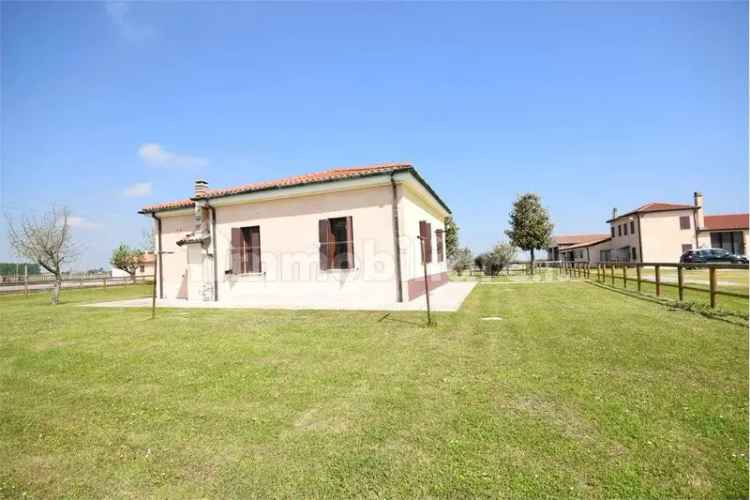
[(80, 222), (138, 189), (129, 29), (154, 155)]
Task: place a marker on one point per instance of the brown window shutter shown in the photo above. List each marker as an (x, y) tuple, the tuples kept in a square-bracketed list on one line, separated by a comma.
[(236, 250), (324, 230), (350, 242), (423, 241), (255, 266), (428, 243)]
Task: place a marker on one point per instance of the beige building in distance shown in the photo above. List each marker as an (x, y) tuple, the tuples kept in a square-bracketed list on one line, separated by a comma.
[(658, 232), (351, 234)]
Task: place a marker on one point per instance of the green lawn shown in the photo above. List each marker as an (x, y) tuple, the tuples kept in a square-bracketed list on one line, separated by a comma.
[(577, 391)]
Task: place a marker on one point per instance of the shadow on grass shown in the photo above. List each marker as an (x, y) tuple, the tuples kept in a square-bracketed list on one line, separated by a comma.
[(694, 307), (387, 317)]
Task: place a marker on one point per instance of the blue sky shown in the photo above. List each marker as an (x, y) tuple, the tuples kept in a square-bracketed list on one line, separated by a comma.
[(108, 107)]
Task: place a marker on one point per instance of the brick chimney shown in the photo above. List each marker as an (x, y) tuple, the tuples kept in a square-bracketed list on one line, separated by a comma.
[(201, 187), (698, 202), (614, 213)]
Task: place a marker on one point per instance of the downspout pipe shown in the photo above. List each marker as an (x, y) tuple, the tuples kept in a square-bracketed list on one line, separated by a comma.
[(159, 253), (216, 256), (396, 239)]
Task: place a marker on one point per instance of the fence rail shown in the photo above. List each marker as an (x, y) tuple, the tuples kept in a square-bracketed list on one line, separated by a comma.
[(81, 281), (611, 272)]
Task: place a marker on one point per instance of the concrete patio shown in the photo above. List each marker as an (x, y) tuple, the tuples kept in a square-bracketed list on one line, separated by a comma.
[(447, 298)]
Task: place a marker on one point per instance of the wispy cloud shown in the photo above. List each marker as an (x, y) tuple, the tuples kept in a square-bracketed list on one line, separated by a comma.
[(80, 222), (121, 16), (138, 189), (154, 155)]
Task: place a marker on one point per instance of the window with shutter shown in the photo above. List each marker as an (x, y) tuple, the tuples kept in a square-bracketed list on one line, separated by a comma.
[(336, 238), (245, 251), (439, 245), (236, 250), (685, 222), (425, 234)]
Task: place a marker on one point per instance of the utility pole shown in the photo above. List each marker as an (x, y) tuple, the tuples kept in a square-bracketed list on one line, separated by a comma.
[(426, 281)]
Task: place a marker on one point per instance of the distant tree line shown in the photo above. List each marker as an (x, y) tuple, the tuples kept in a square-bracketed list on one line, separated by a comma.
[(13, 268)]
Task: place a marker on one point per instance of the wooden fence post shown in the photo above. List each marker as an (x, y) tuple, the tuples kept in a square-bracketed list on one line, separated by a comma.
[(658, 282), (612, 273), (712, 285), (638, 276), (625, 276), (680, 290)]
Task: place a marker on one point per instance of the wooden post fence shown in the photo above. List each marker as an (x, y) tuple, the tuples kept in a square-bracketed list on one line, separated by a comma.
[(638, 276), (612, 273), (625, 276), (680, 290), (712, 285), (658, 281)]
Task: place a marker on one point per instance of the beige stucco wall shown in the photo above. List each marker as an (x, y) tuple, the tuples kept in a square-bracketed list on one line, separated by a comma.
[(174, 258), (413, 208), (617, 243), (290, 248), (662, 237)]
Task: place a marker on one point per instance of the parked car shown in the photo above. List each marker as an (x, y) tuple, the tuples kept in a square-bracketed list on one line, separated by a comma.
[(712, 256)]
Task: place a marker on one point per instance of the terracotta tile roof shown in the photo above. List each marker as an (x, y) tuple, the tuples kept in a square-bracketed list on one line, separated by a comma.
[(574, 239), (726, 221), (587, 243), (655, 206), (334, 174), (147, 258)]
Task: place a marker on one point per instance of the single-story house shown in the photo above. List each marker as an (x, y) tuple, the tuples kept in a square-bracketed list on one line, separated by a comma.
[(564, 241), (352, 233)]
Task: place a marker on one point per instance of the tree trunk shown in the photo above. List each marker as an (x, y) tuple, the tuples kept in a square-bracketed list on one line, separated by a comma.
[(56, 289), (132, 275), (532, 261)]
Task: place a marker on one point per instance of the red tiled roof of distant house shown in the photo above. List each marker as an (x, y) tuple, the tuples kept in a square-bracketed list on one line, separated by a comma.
[(574, 239), (587, 243), (334, 174), (656, 206), (726, 221)]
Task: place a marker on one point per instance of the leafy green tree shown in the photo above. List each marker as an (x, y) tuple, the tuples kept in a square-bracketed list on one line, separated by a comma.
[(462, 260), (451, 237), (499, 258), (530, 224), (126, 258), (480, 260)]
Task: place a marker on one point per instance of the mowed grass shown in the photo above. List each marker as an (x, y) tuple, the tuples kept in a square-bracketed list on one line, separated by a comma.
[(577, 391)]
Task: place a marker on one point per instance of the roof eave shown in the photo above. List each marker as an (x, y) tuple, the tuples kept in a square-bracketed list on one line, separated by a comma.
[(409, 169)]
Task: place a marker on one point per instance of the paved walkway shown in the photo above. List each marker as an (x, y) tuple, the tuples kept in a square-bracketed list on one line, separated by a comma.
[(448, 297)]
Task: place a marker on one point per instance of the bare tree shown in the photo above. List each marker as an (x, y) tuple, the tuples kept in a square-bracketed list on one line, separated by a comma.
[(47, 240), (147, 239)]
